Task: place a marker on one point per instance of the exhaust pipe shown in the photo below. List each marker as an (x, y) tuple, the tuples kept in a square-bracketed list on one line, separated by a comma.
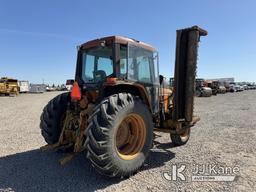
[(187, 41)]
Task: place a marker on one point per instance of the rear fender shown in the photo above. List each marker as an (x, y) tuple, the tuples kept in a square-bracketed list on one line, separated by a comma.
[(132, 88)]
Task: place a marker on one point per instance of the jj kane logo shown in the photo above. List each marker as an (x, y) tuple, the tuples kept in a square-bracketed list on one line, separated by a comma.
[(201, 172)]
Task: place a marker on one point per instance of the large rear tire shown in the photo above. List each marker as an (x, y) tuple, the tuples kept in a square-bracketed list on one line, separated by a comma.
[(120, 135), (52, 116)]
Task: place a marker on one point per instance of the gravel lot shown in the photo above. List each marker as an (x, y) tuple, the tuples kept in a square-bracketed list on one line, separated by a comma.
[(225, 136)]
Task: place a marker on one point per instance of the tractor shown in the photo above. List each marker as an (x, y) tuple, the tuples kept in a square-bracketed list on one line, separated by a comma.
[(9, 86), (119, 99)]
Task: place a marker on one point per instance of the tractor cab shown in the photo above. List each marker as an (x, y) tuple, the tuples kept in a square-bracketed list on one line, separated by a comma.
[(119, 64), (116, 57)]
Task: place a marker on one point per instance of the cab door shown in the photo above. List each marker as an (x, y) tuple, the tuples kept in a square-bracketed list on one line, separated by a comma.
[(143, 69)]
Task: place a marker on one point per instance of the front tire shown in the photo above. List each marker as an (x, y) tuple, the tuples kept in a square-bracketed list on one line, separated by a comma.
[(180, 139), (120, 135), (52, 117)]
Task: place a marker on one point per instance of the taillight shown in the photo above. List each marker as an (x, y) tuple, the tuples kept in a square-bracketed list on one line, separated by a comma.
[(75, 93)]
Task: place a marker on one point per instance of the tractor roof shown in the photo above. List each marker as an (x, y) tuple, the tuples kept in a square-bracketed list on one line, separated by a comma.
[(117, 39)]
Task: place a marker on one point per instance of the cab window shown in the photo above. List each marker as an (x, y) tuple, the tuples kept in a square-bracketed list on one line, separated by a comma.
[(140, 64)]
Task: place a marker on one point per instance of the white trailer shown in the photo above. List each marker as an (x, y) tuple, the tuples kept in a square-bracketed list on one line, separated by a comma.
[(24, 86)]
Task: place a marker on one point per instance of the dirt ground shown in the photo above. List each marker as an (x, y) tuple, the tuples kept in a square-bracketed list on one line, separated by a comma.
[(224, 137)]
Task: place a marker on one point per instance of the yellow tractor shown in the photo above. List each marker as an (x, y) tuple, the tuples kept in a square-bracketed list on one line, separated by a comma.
[(118, 99), (9, 86)]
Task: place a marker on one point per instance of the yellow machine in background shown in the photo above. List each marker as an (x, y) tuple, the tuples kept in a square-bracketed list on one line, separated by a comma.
[(9, 86)]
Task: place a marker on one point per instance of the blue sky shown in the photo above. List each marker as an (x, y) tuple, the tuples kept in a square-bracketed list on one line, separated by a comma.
[(38, 39)]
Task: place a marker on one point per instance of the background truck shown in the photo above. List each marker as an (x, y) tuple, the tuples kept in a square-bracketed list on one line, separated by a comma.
[(222, 89), (213, 84), (201, 90)]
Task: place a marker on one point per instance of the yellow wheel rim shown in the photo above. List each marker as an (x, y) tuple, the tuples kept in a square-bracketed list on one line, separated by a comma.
[(185, 134), (130, 137)]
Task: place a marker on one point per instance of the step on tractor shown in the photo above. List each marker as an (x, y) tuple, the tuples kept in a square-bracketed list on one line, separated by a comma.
[(119, 99)]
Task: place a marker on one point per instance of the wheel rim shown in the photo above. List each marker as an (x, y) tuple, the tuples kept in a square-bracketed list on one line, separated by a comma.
[(185, 134), (130, 137)]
